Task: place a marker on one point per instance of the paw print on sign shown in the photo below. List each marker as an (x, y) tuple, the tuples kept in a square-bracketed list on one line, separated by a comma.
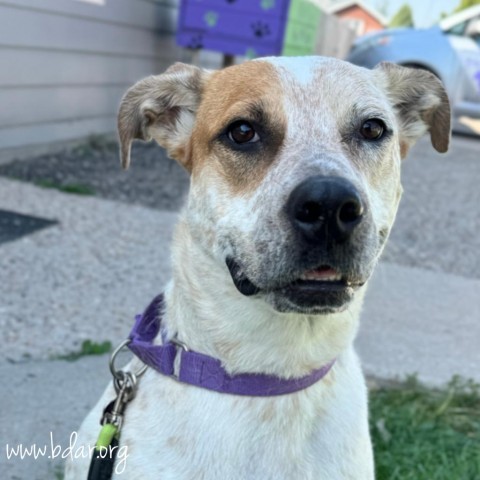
[(211, 18), (260, 29), (196, 41), (267, 4)]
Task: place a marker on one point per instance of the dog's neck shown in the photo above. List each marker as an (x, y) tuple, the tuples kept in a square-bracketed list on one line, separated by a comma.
[(208, 314)]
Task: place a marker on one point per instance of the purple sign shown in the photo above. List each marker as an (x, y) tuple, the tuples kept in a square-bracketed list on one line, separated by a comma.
[(234, 27), (274, 8)]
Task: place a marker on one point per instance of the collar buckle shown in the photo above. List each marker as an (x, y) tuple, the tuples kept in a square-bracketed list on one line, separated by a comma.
[(177, 363)]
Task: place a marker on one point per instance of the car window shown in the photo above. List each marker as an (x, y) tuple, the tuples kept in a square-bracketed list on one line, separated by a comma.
[(475, 37), (458, 29)]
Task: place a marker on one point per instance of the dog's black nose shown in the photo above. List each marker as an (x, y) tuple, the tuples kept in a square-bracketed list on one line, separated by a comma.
[(325, 208)]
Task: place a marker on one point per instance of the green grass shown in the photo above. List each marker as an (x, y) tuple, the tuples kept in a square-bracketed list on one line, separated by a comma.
[(419, 433), (59, 472), (423, 434), (88, 348), (75, 188)]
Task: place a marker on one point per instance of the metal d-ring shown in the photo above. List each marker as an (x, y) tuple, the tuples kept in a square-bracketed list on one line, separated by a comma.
[(178, 343), (120, 377), (183, 346)]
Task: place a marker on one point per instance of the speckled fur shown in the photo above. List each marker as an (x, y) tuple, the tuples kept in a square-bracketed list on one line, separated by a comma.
[(175, 431)]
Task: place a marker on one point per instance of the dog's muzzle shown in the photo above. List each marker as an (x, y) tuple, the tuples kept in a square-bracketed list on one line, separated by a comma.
[(326, 215)]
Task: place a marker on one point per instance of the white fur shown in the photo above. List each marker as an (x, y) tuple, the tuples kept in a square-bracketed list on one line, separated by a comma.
[(301, 68), (176, 431)]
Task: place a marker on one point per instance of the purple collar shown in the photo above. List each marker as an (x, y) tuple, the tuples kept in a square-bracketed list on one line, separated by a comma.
[(204, 371)]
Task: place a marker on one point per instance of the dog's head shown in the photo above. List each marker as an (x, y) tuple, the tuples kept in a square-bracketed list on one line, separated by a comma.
[(295, 166)]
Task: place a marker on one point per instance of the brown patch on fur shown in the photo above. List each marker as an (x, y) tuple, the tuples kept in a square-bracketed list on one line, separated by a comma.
[(268, 412), (178, 443), (173, 441), (251, 91), (404, 149), (187, 157), (225, 349), (178, 154)]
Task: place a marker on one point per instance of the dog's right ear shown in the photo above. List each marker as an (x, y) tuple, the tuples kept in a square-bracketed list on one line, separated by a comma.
[(162, 107)]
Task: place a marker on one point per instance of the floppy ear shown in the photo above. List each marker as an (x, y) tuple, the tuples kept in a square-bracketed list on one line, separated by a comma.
[(421, 102), (162, 107)]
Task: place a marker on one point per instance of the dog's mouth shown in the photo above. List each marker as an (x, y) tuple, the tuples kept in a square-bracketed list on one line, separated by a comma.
[(240, 279), (321, 286)]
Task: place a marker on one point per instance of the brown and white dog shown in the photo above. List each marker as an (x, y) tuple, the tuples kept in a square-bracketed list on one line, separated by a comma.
[(295, 183)]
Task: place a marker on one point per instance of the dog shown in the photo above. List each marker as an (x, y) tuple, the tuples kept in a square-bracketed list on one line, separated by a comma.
[(295, 184)]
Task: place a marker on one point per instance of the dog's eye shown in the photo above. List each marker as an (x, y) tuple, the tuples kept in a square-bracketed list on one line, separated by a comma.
[(242, 132), (373, 129)]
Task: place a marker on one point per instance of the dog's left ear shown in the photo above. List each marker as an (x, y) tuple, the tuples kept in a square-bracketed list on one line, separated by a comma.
[(162, 107), (421, 103)]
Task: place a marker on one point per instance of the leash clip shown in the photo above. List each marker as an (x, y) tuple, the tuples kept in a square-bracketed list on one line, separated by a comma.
[(114, 411), (125, 383)]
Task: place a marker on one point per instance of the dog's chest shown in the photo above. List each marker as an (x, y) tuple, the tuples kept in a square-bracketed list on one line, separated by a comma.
[(189, 433)]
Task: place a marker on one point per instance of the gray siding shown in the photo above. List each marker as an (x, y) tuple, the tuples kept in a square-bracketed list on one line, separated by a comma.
[(64, 64)]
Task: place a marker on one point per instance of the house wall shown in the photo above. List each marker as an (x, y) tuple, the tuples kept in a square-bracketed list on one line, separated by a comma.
[(366, 22), (335, 37), (64, 64)]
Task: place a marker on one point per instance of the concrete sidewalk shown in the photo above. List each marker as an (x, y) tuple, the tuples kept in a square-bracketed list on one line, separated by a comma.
[(418, 321), (85, 278), (82, 278)]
